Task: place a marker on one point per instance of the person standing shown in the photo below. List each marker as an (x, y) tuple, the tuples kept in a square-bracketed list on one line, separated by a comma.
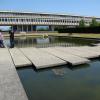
[(11, 39), (1, 40)]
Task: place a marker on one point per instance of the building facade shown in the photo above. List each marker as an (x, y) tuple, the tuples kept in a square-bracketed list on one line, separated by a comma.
[(21, 21)]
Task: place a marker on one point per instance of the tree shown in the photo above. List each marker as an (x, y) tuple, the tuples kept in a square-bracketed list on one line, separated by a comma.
[(82, 23), (94, 23)]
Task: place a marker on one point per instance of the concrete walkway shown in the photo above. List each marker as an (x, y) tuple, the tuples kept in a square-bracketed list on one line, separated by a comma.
[(10, 85), (42, 59)]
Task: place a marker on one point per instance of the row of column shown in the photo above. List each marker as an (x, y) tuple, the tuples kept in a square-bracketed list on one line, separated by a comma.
[(28, 28), (24, 28)]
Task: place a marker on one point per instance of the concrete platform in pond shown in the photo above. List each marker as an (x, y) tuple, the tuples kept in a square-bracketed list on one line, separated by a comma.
[(97, 44), (94, 49), (72, 59), (18, 58), (72, 50), (10, 85), (42, 59), (86, 50)]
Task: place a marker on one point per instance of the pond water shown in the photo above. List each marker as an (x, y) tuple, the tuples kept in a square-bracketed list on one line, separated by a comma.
[(63, 82), (49, 41)]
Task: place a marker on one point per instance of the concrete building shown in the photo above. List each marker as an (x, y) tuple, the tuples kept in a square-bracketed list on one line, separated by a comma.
[(26, 21)]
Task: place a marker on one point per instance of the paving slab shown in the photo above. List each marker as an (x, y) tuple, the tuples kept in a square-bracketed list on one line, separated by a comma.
[(72, 59), (86, 50), (80, 53), (94, 49), (19, 59), (41, 59)]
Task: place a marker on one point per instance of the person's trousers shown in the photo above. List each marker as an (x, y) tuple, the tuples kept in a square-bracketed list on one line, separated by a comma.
[(12, 43)]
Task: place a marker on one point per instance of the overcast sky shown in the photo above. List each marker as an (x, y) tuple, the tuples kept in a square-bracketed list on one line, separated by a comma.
[(77, 7)]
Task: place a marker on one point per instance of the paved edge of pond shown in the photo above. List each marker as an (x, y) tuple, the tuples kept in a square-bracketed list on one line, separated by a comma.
[(10, 84)]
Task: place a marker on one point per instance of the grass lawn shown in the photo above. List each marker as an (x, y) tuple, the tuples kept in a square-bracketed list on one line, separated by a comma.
[(87, 35), (32, 34), (92, 35)]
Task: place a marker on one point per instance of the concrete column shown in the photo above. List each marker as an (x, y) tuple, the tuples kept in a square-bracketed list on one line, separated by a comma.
[(22, 28), (31, 28), (12, 28), (17, 27), (27, 28), (51, 28)]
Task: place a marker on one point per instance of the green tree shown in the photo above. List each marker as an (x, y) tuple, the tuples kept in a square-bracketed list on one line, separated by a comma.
[(82, 23), (94, 23)]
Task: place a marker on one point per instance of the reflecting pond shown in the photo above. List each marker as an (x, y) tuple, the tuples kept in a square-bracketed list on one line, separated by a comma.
[(49, 41), (62, 82)]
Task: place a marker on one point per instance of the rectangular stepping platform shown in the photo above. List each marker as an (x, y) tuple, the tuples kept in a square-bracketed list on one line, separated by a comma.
[(72, 59), (41, 59), (80, 53), (87, 51), (18, 58), (94, 49)]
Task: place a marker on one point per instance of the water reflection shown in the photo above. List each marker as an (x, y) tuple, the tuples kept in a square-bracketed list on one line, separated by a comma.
[(42, 40), (59, 71), (61, 83), (24, 41)]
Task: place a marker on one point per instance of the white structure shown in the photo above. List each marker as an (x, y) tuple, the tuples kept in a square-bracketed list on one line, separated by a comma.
[(21, 21)]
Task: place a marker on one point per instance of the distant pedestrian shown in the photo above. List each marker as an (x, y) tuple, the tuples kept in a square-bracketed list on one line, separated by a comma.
[(1, 41), (11, 39)]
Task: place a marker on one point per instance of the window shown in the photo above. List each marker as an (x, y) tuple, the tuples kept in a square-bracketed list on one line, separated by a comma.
[(5, 19), (2, 19)]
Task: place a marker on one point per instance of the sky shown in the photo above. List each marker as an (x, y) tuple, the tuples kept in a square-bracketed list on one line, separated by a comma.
[(76, 7)]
